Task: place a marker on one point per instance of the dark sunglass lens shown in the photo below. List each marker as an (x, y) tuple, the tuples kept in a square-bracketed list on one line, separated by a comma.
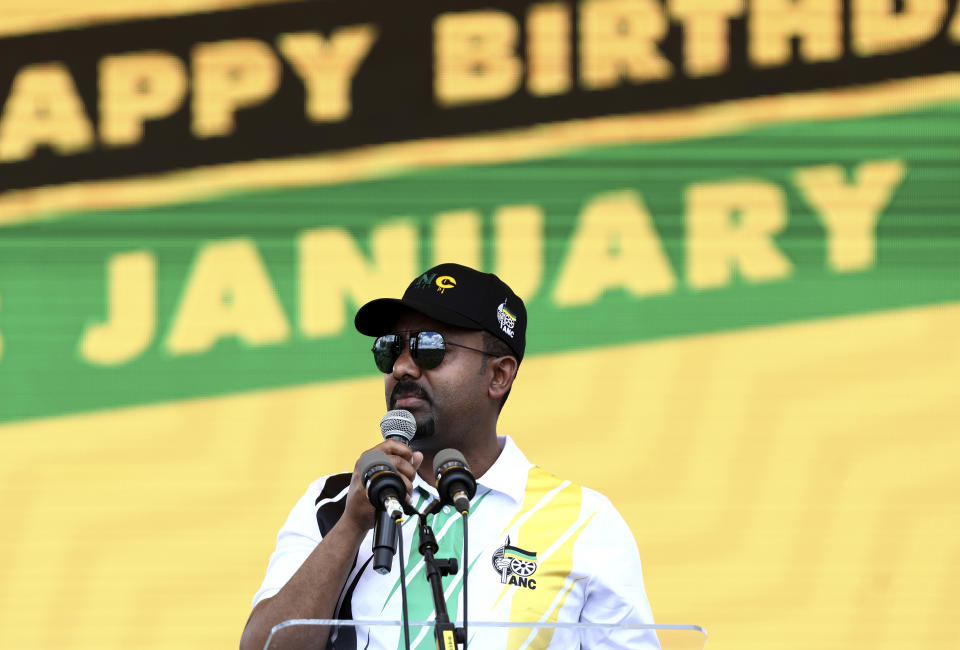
[(430, 350), (385, 352)]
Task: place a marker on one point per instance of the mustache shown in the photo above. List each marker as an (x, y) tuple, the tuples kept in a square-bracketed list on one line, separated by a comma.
[(408, 389)]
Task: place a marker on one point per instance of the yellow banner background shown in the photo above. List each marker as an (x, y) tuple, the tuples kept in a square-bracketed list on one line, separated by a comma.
[(791, 486)]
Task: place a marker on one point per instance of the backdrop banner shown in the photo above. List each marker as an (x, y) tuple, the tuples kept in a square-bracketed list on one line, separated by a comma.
[(734, 226)]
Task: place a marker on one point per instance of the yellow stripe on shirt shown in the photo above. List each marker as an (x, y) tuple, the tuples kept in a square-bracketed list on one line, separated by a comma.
[(548, 524)]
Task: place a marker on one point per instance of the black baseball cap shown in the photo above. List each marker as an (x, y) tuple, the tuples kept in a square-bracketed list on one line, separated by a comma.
[(456, 295)]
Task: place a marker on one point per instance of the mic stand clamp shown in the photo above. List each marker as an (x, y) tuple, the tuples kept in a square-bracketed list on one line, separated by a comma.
[(447, 634)]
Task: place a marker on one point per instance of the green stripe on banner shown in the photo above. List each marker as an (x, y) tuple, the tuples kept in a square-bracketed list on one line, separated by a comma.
[(607, 245)]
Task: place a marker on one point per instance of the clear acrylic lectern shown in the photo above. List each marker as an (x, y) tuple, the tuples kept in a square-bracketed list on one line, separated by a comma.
[(320, 634)]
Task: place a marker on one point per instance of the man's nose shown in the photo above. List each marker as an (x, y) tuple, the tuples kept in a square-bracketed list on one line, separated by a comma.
[(405, 366)]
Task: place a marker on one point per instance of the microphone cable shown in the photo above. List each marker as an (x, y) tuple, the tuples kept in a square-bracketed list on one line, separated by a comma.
[(403, 585), (466, 563)]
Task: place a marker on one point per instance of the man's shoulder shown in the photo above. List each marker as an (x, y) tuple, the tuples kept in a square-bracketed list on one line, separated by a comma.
[(544, 484), (329, 496), (541, 481), (545, 479), (329, 486), (597, 498)]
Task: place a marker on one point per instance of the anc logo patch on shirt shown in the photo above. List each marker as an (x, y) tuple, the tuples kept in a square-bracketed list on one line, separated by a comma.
[(515, 565)]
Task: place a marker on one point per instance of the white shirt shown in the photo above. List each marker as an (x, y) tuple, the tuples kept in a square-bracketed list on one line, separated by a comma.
[(541, 549)]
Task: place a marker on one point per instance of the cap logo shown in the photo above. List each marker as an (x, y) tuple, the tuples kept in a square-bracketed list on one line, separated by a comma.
[(424, 281), (445, 282), (506, 319)]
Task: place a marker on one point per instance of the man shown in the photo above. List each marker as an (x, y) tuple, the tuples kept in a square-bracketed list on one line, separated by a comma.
[(540, 548)]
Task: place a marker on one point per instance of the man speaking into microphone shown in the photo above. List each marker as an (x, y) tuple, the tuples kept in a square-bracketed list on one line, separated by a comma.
[(540, 548)]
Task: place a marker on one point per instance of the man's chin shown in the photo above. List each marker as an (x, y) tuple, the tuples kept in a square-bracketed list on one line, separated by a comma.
[(422, 413), (425, 428)]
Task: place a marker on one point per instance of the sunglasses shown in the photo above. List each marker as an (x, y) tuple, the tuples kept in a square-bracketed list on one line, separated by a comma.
[(427, 349)]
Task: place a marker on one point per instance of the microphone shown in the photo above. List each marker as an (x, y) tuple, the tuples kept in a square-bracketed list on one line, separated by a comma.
[(384, 487), (455, 482), (399, 425)]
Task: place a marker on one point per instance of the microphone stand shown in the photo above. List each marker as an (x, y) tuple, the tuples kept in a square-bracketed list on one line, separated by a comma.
[(447, 634)]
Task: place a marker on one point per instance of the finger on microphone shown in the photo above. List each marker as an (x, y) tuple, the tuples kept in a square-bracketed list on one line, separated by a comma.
[(404, 465), (395, 448)]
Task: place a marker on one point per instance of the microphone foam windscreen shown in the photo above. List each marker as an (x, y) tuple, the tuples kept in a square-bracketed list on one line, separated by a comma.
[(445, 456), (371, 460)]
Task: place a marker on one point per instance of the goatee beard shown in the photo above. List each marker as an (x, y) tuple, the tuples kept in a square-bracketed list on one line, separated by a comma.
[(426, 429)]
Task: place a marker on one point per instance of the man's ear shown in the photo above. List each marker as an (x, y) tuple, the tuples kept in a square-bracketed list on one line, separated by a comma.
[(504, 372)]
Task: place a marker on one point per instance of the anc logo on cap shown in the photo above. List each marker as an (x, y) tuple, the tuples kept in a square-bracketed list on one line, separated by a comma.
[(442, 283), (445, 282), (515, 565), (506, 319)]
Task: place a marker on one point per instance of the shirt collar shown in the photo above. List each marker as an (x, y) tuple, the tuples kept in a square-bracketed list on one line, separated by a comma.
[(507, 475)]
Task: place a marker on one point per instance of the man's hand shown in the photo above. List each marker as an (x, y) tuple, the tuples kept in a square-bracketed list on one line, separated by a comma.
[(359, 511)]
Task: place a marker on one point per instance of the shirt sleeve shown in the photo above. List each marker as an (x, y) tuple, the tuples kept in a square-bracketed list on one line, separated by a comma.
[(297, 538), (615, 592)]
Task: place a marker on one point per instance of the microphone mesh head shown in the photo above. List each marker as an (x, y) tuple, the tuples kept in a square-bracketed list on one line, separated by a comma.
[(399, 422)]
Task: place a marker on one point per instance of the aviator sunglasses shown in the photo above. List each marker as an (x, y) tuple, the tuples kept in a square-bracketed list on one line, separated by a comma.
[(426, 349)]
